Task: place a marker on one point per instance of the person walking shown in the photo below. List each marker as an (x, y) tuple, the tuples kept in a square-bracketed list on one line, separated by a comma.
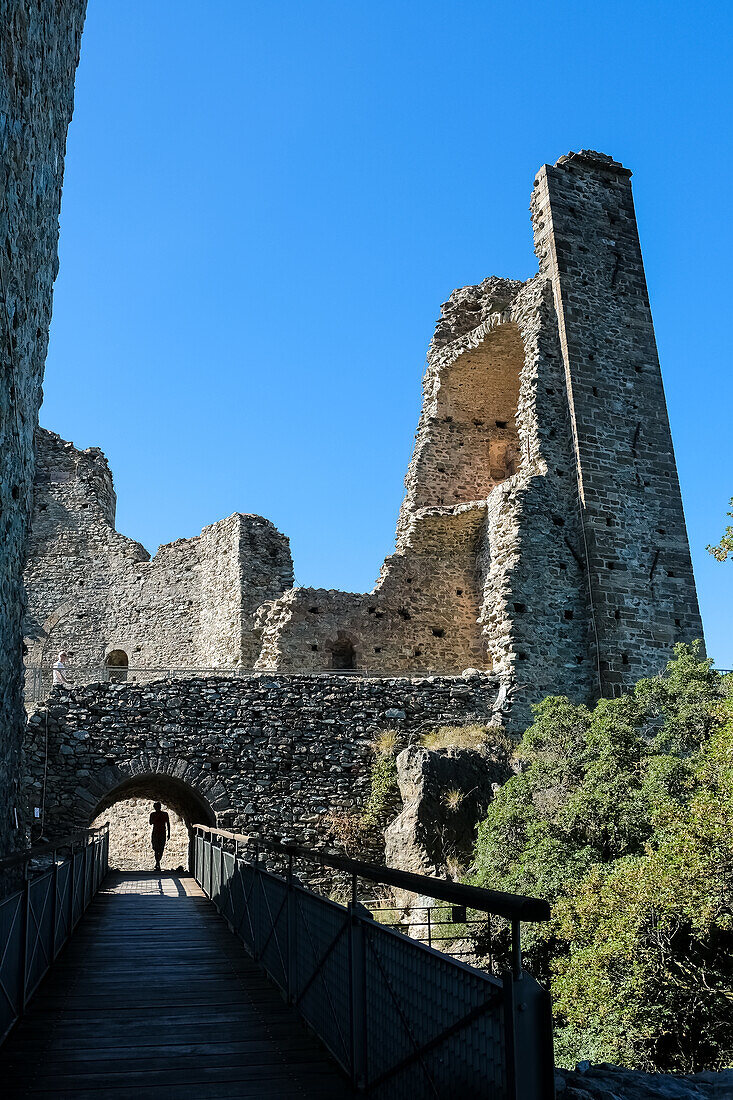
[(161, 832), (59, 672)]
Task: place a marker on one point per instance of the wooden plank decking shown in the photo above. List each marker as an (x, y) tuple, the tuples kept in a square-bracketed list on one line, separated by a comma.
[(154, 998)]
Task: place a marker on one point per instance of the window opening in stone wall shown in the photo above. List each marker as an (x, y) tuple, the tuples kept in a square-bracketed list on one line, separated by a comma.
[(117, 663), (475, 434), (343, 654)]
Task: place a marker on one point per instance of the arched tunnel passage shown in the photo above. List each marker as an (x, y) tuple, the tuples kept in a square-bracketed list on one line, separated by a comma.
[(128, 807)]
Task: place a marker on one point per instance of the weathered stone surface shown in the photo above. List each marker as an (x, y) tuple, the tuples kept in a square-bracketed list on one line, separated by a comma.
[(606, 1082), (277, 754), (445, 793), (39, 55), (92, 591), (541, 535)]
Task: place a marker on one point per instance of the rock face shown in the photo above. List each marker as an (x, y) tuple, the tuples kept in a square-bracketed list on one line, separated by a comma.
[(276, 754), (541, 534), (445, 793), (40, 51), (605, 1082)]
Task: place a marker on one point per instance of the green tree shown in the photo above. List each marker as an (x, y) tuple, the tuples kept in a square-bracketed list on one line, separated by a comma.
[(725, 546), (622, 816)]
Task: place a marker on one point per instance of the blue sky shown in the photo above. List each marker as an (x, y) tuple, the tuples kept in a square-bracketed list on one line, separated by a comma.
[(265, 205)]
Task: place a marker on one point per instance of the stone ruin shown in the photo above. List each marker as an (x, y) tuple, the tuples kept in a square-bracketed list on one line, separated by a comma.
[(541, 537)]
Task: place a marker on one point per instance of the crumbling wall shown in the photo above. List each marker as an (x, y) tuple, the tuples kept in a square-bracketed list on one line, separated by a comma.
[(541, 534), (39, 49), (93, 591)]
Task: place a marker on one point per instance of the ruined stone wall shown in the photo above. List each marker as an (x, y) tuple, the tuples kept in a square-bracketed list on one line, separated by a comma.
[(39, 52), (637, 556), (541, 535), (277, 754), (93, 591)]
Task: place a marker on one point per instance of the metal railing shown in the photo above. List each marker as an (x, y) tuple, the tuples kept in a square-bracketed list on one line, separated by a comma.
[(399, 1017), (37, 919)]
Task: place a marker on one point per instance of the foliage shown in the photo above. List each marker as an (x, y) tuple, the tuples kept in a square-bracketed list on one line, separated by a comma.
[(383, 790), (355, 833), (725, 546), (622, 816)]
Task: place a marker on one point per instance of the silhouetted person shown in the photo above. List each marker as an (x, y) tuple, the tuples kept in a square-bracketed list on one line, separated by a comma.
[(161, 832)]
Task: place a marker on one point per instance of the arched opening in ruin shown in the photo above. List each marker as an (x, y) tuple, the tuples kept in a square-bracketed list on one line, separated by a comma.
[(128, 807), (117, 664), (474, 437), (343, 653)]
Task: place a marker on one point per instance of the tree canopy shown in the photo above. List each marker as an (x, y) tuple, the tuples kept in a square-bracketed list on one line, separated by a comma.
[(622, 816)]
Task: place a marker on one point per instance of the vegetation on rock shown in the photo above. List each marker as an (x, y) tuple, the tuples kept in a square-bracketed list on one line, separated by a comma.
[(622, 816)]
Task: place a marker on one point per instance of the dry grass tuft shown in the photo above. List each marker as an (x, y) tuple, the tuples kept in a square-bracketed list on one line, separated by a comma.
[(457, 737), (452, 799), (385, 742)]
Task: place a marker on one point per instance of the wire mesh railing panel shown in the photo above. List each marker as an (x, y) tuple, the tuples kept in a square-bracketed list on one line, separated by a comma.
[(12, 933), (37, 919), (270, 921), (241, 890), (400, 1017), (62, 929), (215, 885), (442, 1022), (77, 887), (39, 930), (321, 970), (226, 896)]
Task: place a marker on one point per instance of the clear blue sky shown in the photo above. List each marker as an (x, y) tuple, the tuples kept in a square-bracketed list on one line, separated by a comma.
[(265, 205)]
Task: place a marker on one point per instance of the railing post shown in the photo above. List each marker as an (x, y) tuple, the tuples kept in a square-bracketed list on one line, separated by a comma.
[(55, 910), (221, 873), (84, 879), (25, 921), (516, 950), (290, 916), (357, 996), (70, 923)]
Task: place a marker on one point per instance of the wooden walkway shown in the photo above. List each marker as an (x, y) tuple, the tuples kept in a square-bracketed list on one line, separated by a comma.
[(155, 998)]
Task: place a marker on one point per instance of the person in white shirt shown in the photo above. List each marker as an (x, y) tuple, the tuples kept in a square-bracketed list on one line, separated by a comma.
[(59, 672)]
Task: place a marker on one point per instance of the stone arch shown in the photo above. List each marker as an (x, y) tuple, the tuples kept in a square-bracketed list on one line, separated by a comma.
[(188, 802), (117, 662), (474, 435), (343, 652)]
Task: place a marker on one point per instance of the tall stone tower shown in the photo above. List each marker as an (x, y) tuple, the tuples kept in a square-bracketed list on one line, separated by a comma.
[(641, 589), (40, 51)]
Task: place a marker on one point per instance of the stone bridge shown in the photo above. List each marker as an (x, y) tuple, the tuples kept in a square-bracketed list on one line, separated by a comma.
[(280, 754)]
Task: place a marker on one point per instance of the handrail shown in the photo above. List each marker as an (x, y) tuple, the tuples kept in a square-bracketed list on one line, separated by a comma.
[(28, 854), (515, 907)]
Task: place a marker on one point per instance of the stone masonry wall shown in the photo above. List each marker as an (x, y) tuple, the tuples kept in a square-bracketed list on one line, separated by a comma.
[(39, 52), (635, 543), (92, 591), (277, 754)]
